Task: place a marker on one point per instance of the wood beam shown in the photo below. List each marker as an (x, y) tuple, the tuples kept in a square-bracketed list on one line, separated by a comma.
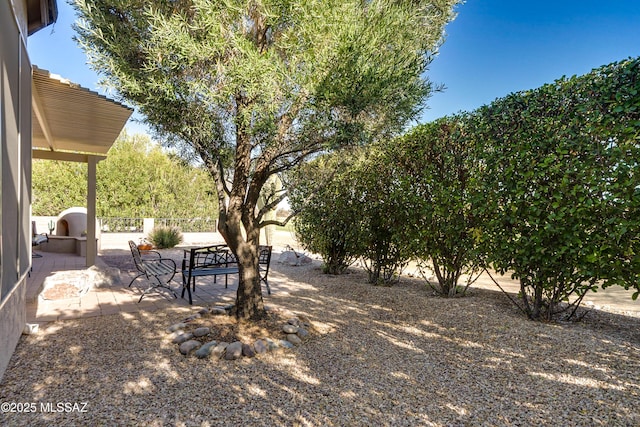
[(64, 156)]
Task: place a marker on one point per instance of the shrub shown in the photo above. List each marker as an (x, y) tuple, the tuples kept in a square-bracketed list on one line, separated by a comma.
[(327, 212), (348, 208), (436, 164), (561, 188), (384, 217), (164, 237)]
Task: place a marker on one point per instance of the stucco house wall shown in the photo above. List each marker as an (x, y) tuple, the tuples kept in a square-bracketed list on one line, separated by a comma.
[(18, 18)]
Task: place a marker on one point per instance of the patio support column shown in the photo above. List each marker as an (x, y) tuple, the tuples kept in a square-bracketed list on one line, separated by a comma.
[(92, 247)]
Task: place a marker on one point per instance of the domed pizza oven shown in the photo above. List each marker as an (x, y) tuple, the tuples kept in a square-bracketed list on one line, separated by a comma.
[(72, 222)]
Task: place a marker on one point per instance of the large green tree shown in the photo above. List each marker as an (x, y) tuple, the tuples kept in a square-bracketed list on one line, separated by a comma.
[(137, 179), (57, 186), (255, 87)]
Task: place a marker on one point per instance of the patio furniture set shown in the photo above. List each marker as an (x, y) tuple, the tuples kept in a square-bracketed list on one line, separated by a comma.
[(214, 260)]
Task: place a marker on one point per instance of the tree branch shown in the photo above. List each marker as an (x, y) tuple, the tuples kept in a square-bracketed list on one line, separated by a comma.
[(506, 293), (271, 205)]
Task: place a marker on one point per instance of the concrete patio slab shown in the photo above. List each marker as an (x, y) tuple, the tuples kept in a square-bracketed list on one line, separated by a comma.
[(113, 299)]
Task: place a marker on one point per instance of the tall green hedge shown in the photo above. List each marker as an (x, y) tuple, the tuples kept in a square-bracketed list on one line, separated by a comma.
[(327, 213), (384, 216), (436, 169), (348, 209), (561, 185), (541, 184)]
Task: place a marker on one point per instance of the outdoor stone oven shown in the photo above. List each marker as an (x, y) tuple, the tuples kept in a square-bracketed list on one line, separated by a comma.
[(72, 222), (70, 232)]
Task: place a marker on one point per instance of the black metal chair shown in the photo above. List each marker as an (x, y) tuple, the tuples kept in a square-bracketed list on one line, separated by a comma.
[(37, 239), (157, 270), (264, 261)]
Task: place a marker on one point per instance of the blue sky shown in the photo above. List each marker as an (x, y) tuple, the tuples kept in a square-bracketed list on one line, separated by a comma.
[(494, 47)]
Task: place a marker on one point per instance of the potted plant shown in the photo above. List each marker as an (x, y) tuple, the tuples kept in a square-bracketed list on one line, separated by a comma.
[(144, 245)]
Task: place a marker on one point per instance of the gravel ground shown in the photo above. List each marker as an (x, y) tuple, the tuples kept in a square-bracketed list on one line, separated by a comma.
[(377, 356)]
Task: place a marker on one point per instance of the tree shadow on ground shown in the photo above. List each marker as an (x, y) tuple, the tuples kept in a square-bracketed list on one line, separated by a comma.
[(379, 356)]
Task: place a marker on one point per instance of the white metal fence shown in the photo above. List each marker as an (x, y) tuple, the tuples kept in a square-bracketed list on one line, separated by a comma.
[(145, 225)]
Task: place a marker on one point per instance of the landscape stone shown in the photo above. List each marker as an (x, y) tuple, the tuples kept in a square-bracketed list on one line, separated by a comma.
[(271, 344), (176, 334), (294, 321), (260, 346), (192, 317), (248, 351), (293, 259), (305, 260), (294, 339), (188, 346), (176, 326), (285, 344), (206, 349), (103, 276), (295, 330), (201, 332), (182, 338), (219, 350), (30, 329), (289, 329), (234, 351), (288, 258)]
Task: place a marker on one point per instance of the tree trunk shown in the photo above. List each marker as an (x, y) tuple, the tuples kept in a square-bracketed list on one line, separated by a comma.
[(239, 214), (249, 303)]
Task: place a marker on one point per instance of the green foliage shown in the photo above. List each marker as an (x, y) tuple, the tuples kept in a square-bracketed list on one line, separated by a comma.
[(255, 87), (562, 192), (436, 166), (137, 179), (57, 186), (327, 212), (165, 237), (384, 217), (348, 209)]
